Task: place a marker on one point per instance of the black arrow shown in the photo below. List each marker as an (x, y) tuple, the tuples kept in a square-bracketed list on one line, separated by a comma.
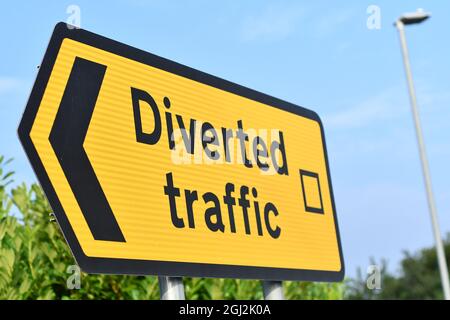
[(67, 138)]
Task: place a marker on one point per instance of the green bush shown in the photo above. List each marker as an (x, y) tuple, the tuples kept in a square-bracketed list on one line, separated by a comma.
[(34, 261)]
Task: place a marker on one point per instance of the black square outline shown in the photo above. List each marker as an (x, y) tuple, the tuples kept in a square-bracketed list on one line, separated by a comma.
[(316, 176)]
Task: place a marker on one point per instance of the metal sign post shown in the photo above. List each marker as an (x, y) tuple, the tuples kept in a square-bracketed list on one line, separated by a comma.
[(273, 290), (171, 288)]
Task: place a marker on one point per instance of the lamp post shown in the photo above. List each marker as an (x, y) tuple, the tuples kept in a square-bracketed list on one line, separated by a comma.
[(407, 19)]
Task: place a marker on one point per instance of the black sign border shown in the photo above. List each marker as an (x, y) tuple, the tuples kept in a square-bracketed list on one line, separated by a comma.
[(151, 267)]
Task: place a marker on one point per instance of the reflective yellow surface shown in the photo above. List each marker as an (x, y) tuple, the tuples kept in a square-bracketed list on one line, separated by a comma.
[(133, 175)]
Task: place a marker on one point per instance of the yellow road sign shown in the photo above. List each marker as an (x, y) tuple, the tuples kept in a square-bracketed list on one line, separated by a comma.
[(152, 167)]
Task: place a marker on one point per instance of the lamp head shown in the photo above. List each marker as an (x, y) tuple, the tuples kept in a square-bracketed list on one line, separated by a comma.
[(414, 17)]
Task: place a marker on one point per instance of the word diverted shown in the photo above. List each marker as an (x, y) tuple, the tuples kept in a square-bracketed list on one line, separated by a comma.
[(214, 218), (216, 146)]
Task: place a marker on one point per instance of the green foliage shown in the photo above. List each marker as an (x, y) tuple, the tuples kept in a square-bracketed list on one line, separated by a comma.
[(418, 278), (5, 180), (205, 289), (231, 289), (34, 261), (313, 291)]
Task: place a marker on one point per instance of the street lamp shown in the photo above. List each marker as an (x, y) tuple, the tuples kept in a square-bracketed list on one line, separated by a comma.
[(407, 19)]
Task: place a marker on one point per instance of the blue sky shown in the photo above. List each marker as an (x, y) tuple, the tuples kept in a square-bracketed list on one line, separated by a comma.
[(319, 55)]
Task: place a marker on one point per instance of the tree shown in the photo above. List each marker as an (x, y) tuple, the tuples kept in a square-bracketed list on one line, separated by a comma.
[(35, 260), (418, 278)]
